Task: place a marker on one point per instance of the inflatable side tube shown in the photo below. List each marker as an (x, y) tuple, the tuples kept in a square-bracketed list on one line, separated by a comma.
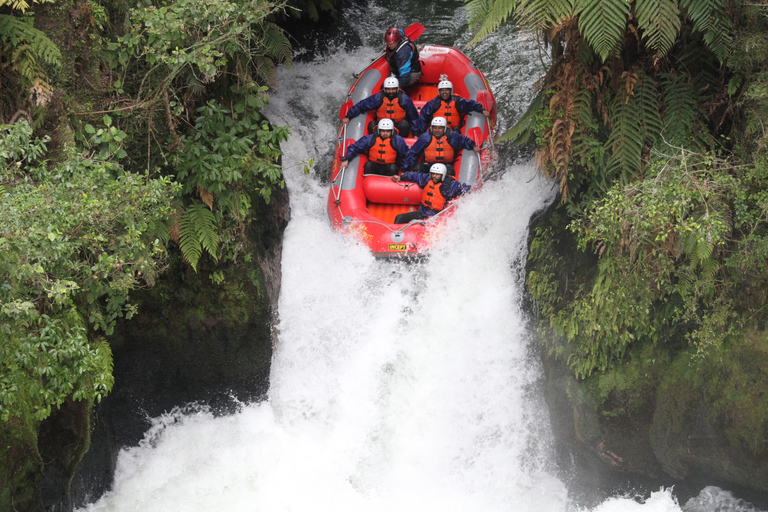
[(469, 172), (381, 189)]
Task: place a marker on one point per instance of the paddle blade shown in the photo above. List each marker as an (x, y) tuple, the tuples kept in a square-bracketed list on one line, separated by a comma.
[(476, 134), (414, 31), (344, 109), (485, 98)]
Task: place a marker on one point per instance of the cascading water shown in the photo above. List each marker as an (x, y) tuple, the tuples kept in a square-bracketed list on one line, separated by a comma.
[(394, 386)]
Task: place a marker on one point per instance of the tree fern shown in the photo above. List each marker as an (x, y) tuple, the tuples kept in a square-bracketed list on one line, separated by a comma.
[(30, 50), (659, 20), (198, 232), (603, 23)]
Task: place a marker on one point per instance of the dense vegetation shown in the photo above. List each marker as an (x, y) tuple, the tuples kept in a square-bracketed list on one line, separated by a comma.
[(130, 138), (651, 118)]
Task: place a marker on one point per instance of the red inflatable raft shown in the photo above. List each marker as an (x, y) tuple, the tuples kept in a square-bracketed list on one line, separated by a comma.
[(367, 205)]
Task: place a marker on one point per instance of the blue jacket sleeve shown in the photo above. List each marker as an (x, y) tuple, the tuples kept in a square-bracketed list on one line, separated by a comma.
[(467, 106), (420, 178), (457, 188), (362, 106), (457, 140), (362, 145), (427, 111), (416, 150)]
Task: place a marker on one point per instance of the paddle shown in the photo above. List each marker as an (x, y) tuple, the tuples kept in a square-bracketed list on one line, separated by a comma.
[(485, 98), (414, 31)]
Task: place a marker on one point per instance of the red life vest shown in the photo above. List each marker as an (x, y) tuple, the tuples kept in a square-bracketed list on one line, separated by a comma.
[(439, 150), (431, 197), (449, 111), (383, 150), (391, 109)]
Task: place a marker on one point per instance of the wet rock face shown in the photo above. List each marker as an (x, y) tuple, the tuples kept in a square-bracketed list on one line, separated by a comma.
[(191, 343)]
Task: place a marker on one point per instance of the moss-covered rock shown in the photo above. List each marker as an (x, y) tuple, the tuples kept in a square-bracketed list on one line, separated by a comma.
[(22, 466)]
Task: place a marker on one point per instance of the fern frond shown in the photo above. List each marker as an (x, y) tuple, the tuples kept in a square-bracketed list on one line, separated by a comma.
[(711, 19), (647, 97), (543, 13), (30, 50), (486, 16), (276, 43), (522, 131), (636, 120), (198, 232), (680, 112), (18, 5), (603, 23), (659, 20), (206, 197)]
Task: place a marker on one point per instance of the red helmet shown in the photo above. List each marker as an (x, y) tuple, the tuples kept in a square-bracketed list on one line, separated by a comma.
[(392, 35)]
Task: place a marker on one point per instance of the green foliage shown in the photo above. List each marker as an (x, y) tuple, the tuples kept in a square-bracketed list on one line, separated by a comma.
[(201, 63), (76, 238), (190, 43), (17, 148), (106, 143), (232, 157)]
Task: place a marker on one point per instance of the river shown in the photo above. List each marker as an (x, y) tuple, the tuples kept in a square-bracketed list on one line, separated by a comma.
[(408, 387)]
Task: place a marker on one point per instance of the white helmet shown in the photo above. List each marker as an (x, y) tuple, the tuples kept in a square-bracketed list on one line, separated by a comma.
[(386, 124), (445, 84), (440, 169), (439, 121), (391, 82)]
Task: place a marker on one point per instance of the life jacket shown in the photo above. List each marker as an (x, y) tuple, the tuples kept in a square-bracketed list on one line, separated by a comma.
[(383, 151), (450, 112), (415, 63), (391, 109), (432, 196), (439, 150)]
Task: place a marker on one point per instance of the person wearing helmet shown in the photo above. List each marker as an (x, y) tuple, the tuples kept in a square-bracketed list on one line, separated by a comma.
[(390, 103), (447, 105), (383, 147), (439, 144), (403, 56), (438, 190)]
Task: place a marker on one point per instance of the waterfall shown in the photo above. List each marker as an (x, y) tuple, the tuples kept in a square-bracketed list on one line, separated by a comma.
[(394, 386)]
